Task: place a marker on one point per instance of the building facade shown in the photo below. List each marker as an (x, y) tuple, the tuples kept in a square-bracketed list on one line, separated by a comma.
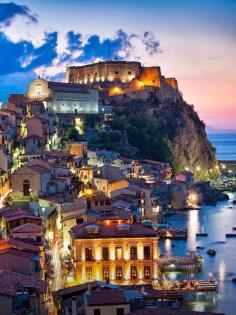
[(115, 250), (64, 98)]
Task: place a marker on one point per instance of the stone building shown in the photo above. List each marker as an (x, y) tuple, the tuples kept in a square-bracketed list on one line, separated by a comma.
[(129, 73), (115, 250), (124, 71), (64, 98)]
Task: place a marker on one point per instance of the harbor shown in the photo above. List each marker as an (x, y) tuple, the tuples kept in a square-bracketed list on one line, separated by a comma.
[(216, 222)]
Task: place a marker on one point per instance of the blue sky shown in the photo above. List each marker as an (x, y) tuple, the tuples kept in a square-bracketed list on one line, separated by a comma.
[(191, 40)]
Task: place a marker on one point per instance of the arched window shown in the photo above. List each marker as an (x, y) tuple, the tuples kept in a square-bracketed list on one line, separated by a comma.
[(26, 187)]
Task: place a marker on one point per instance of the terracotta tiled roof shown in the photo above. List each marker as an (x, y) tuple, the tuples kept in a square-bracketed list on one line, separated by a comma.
[(10, 214), (14, 279), (39, 169), (7, 289), (76, 289), (18, 244), (134, 230), (106, 297), (58, 154), (28, 228), (15, 252)]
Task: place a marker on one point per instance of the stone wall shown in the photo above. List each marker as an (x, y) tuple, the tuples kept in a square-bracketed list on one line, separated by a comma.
[(123, 71)]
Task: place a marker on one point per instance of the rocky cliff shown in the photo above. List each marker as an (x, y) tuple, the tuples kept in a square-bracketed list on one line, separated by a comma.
[(177, 121), (187, 134)]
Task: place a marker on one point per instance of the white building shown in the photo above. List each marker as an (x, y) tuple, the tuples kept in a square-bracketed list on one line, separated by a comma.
[(64, 98)]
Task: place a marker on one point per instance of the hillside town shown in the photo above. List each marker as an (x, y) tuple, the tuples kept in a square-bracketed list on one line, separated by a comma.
[(81, 222)]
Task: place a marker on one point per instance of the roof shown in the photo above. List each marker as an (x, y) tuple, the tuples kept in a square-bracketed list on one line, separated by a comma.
[(14, 279), (10, 214), (164, 311), (76, 289), (106, 297), (28, 228), (18, 244), (105, 231), (58, 154), (68, 87), (15, 252), (39, 169), (7, 289), (101, 63)]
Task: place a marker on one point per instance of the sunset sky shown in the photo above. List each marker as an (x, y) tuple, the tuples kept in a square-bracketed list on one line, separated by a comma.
[(195, 41)]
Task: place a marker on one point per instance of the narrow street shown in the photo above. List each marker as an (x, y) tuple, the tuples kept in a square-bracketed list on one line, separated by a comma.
[(57, 266), (57, 281)]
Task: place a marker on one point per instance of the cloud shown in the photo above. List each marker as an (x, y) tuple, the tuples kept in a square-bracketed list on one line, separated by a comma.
[(8, 11), (152, 45), (23, 56), (26, 50)]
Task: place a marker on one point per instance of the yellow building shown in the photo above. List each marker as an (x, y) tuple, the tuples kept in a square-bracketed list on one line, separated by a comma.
[(115, 250)]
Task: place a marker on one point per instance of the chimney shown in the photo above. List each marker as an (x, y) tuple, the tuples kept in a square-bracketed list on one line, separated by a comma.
[(74, 305)]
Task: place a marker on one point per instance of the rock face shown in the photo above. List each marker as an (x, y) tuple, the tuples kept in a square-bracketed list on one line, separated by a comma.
[(187, 134), (180, 122)]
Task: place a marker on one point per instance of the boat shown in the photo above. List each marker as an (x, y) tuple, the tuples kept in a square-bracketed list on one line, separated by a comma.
[(230, 235), (201, 234), (199, 247), (211, 252)]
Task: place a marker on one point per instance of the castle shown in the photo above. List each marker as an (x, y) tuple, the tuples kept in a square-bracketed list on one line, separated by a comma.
[(119, 77)]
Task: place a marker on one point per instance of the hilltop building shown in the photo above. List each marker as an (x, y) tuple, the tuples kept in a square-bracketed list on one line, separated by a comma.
[(119, 77), (64, 98)]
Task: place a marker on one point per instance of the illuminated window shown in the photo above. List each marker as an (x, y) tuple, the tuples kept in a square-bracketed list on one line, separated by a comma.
[(88, 254), (118, 273), (119, 253), (106, 273), (146, 252), (105, 253), (147, 272), (88, 273), (133, 272), (133, 252)]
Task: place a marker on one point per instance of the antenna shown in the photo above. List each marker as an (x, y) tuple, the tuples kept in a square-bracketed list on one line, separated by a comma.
[(109, 51)]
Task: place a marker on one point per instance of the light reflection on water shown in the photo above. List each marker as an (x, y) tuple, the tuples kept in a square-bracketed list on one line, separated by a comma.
[(216, 221), (193, 226)]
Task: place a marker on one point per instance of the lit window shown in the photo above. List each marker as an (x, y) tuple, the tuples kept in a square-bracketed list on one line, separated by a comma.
[(133, 272), (133, 252), (105, 253), (146, 252), (147, 272), (118, 273), (88, 254), (106, 273), (119, 253), (88, 273)]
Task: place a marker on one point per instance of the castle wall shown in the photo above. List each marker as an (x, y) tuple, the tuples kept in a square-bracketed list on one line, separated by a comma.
[(172, 82), (104, 71), (151, 76)]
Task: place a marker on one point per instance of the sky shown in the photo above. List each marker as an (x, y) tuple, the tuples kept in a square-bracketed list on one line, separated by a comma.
[(192, 40)]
